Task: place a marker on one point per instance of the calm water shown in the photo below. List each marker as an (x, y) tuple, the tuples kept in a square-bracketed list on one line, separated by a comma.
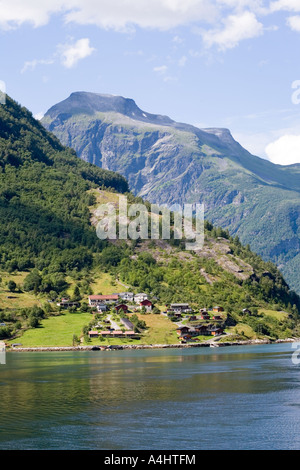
[(226, 398)]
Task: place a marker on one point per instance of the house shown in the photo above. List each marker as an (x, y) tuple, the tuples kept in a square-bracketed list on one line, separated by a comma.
[(131, 334), (95, 300), (117, 333), (193, 331), (192, 318), (183, 330), (140, 297), (171, 313), (93, 334), (67, 304), (217, 317), (215, 331), (182, 308), (147, 304), (101, 307), (205, 316), (129, 296), (218, 309), (202, 330), (122, 307), (185, 338), (105, 332)]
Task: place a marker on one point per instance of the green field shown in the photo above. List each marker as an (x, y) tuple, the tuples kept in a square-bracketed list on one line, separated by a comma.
[(55, 331)]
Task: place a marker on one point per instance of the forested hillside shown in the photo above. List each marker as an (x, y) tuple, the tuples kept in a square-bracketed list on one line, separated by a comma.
[(44, 218)]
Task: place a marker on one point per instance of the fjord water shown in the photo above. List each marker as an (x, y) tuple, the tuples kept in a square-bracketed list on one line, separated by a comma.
[(242, 397)]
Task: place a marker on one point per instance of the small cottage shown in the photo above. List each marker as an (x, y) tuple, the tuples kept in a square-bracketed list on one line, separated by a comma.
[(147, 304), (218, 309), (183, 330), (123, 307), (93, 334)]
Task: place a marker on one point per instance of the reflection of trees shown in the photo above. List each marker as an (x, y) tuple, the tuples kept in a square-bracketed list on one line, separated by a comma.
[(96, 388)]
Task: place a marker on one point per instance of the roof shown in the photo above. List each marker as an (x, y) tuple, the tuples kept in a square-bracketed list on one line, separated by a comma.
[(104, 297), (179, 305), (145, 302), (127, 323), (93, 332)]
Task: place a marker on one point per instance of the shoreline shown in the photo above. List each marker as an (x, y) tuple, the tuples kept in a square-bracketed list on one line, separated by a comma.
[(147, 346)]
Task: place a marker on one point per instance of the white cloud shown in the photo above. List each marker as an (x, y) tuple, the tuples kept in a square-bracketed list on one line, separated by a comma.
[(155, 14), (177, 40), (71, 53), (285, 150), (236, 28), (256, 6), (182, 61), (294, 23), (286, 5), (119, 14), (14, 13), (223, 23), (31, 64), (162, 69)]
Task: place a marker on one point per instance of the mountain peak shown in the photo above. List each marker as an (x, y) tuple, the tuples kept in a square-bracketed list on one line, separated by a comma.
[(82, 102)]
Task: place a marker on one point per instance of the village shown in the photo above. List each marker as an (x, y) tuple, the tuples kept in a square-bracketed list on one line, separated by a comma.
[(113, 313)]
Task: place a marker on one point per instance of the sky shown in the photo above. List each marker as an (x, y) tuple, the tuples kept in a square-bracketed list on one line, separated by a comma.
[(210, 63)]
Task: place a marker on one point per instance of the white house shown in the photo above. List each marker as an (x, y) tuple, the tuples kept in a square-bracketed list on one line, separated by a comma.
[(138, 298), (95, 300), (102, 307), (129, 296)]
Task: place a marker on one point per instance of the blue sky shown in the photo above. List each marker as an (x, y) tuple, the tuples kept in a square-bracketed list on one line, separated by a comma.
[(211, 63)]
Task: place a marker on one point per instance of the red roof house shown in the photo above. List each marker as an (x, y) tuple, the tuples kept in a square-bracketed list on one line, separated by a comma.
[(147, 304), (123, 307)]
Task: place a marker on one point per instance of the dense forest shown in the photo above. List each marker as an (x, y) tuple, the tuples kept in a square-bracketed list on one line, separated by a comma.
[(44, 216)]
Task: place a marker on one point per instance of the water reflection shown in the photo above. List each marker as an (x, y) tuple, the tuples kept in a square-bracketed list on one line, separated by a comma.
[(107, 400)]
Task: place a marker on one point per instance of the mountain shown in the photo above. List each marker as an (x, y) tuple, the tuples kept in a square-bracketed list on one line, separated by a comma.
[(49, 248), (167, 162)]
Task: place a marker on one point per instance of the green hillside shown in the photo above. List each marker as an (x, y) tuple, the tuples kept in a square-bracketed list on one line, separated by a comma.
[(49, 250), (44, 220), (167, 162)]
